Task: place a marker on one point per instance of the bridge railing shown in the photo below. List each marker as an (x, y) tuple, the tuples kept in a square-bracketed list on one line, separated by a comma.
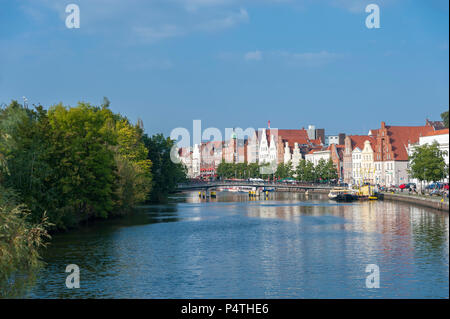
[(252, 183)]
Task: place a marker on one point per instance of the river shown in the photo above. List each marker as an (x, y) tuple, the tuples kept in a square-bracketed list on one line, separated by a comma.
[(288, 246)]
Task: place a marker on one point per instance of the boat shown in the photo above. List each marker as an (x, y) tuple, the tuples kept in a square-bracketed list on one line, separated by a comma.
[(368, 192), (335, 192), (346, 197)]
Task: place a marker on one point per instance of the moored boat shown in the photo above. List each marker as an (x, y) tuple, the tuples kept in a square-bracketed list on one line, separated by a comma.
[(346, 197), (335, 192)]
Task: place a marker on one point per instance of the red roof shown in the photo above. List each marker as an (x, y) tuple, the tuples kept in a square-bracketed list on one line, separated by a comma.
[(438, 132), (316, 141), (358, 141), (290, 136), (401, 136), (317, 149)]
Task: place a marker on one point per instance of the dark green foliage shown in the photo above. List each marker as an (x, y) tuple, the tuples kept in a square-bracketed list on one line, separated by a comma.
[(444, 117), (323, 171), (240, 170), (284, 170), (83, 162), (166, 173), (67, 165)]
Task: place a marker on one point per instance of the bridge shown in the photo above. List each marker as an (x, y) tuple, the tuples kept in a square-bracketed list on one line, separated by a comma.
[(207, 186)]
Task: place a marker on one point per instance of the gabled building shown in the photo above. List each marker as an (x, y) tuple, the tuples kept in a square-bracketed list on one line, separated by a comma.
[(315, 155), (278, 146), (391, 152), (337, 156), (355, 146)]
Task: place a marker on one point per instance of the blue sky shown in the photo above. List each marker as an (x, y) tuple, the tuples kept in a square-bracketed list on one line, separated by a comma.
[(232, 63)]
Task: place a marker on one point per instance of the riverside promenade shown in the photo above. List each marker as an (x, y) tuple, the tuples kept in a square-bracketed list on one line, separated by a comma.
[(436, 202)]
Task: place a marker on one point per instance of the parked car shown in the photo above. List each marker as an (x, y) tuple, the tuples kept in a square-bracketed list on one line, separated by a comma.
[(434, 186)]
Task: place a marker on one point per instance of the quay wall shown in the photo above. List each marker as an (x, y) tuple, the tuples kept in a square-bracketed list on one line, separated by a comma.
[(424, 202)]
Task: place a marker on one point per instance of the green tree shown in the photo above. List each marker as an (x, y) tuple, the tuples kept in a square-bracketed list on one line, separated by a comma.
[(331, 172), (444, 117), (24, 143), (166, 173), (284, 170), (428, 164), (83, 161), (305, 171), (133, 166), (253, 170), (320, 170)]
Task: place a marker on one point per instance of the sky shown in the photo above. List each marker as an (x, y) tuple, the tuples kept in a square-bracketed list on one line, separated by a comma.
[(232, 63)]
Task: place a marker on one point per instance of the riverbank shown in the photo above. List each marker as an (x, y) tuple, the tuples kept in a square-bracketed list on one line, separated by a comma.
[(424, 201)]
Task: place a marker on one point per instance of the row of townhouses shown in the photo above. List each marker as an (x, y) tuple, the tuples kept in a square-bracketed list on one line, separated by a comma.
[(380, 157)]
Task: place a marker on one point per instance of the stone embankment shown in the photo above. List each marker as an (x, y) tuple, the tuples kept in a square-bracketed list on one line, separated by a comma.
[(421, 200)]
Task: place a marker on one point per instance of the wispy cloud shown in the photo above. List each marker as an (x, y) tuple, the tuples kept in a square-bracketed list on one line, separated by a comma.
[(230, 20), (156, 20), (253, 56), (153, 34), (307, 59), (150, 64), (291, 59)]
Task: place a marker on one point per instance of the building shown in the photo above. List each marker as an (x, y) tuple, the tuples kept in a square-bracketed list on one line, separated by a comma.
[(335, 139), (391, 157), (355, 147), (315, 155), (368, 162), (278, 146), (316, 134), (337, 156), (293, 156)]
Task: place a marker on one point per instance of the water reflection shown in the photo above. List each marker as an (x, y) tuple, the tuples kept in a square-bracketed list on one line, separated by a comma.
[(286, 246)]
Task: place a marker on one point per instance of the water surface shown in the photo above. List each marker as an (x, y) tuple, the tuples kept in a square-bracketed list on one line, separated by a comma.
[(289, 246)]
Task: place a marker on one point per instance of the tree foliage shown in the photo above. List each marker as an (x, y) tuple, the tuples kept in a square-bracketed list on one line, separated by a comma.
[(427, 163), (323, 171), (444, 117), (240, 170), (166, 173), (284, 170), (66, 165), (20, 242), (82, 162)]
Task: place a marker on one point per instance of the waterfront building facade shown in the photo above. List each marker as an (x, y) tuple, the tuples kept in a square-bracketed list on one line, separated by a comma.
[(314, 156), (354, 147), (391, 156)]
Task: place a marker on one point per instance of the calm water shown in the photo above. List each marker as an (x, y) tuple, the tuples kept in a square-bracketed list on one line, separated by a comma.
[(290, 246)]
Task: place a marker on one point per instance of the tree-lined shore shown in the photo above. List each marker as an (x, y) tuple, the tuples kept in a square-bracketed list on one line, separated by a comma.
[(66, 165), (304, 172)]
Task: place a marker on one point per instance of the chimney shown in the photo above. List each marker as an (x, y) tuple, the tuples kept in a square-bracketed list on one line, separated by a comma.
[(383, 125)]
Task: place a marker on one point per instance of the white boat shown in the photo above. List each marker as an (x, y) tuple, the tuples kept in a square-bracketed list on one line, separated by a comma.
[(335, 192)]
